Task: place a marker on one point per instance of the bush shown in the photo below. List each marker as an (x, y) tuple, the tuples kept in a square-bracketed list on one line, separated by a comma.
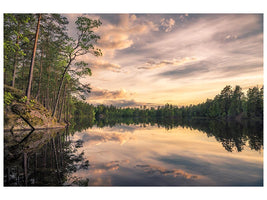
[(8, 98)]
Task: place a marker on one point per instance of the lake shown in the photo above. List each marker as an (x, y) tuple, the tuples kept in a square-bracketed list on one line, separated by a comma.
[(196, 153)]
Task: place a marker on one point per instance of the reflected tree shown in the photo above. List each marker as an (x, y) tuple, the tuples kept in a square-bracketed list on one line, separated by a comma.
[(233, 135), (50, 163)]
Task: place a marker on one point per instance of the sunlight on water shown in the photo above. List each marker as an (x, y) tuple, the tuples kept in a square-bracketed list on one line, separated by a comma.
[(134, 155)]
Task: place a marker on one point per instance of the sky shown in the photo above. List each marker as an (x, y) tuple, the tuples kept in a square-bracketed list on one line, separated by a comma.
[(180, 59)]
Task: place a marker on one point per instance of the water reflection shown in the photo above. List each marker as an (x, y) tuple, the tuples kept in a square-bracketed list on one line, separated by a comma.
[(42, 158), (232, 134), (138, 153)]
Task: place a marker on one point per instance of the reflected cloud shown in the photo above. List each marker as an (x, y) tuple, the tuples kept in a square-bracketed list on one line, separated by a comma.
[(166, 172), (229, 170), (109, 166), (101, 181), (179, 156), (98, 138), (124, 128)]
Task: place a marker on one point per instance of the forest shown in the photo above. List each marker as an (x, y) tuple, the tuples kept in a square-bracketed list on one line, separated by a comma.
[(229, 104), (40, 59)]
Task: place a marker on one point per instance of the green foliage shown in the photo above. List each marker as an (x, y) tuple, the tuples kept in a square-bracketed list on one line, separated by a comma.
[(86, 36), (82, 69), (23, 99), (8, 98), (228, 104), (55, 53), (32, 103)]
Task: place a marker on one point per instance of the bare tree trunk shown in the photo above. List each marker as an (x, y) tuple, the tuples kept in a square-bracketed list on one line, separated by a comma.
[(36, 161), (62, 103), (55, 152), (47, 89), (22, 74), (40, 75), (45, 156), (25, 168), (16, 58), (60, 87), (68, 109), (28, 91)]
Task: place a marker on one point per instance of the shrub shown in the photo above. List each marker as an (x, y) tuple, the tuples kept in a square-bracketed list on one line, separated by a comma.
[(8, 98)]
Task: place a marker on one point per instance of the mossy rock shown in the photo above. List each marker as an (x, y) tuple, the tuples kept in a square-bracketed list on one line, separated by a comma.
[(34, 112), (18, 94)]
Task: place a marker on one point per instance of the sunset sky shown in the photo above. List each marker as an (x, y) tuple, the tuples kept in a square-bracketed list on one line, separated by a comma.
[(181, 59)]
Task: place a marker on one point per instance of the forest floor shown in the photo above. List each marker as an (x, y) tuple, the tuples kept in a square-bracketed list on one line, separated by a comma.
[(19, 115)]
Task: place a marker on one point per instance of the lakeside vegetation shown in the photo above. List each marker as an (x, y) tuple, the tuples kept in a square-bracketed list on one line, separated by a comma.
[(40, 59), (229, 104)]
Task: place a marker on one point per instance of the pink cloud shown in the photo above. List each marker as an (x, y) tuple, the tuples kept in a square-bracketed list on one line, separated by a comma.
[(117, 37)]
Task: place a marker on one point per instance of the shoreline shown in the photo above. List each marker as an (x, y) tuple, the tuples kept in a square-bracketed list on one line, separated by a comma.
[(29, 129)]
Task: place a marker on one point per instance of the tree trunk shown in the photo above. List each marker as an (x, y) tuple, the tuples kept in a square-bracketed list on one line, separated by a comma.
[(40, 75), (25, 168), (62, 103), (47, 88), (28, 91), (22, 74), (60, 87), (16, 58)]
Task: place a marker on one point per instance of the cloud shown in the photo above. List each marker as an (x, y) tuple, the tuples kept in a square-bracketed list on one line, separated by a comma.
[(115, 36), (182, 18), (122, 103), (228, 49), (187, 71), (166, 172), (120, 36), (100, 64), (167, 24), (238, 69), (98, 94), (127, 103), (174, 62)]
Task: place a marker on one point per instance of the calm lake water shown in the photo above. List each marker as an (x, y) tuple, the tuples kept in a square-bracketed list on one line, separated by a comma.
[(225, 154)]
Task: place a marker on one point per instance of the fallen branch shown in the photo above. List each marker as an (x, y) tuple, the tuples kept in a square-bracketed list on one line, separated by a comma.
[(16, 109)]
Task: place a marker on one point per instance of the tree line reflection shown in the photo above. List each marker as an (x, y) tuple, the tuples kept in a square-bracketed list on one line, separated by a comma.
[(46, 158), (49, 157), (233, 135)]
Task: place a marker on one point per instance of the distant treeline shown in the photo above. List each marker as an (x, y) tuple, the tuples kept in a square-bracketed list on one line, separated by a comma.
[(232, 134), (230, 103)]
